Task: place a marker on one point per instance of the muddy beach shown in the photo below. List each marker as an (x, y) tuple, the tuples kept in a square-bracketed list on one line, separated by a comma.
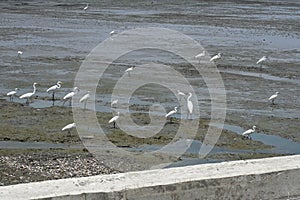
[(56, 37)]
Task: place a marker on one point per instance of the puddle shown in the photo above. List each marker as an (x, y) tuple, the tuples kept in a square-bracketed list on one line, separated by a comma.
[(263, 76), (36, 145), (280, 145), (194, 148)]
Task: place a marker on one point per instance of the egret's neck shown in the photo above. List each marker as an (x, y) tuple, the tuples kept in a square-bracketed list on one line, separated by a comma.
[(189, 97), (58, 85), (34, 89)]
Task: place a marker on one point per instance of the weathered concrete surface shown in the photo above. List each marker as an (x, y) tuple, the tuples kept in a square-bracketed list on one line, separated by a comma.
[(269, 178)]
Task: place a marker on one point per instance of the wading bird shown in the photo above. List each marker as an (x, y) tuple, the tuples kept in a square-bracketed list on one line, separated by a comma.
[(69, 96), (53, 89), (261, 61), (216, 57), (84, 99), (69, 127), (86, 7), (12, 94), (249, 132), (273, 97), (113, 32), (172, 112), (113, 103), (200, 56), (19, 53), (180, 94), (190, 106), (129, 70), (114, 119), (29, 94)]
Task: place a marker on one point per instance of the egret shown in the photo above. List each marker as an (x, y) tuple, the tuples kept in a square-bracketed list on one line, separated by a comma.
[(273, 97), (129, 70), (249, 132), (69, 96), (216, 57), (172, 112), (200, 55), (114, 119), (85, 98), (262, 61), (53, 89), (189, 105), (113, 32), (86, 7), (20, 53), (69, 127), (12, 94), (180, 94), (29, 94), (114, 102)]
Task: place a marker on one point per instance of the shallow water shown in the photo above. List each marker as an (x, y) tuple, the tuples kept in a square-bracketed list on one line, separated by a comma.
[(36, 145), (280, 145)]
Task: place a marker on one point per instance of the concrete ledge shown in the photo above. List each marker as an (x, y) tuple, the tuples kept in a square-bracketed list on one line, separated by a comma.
[(269, 178)]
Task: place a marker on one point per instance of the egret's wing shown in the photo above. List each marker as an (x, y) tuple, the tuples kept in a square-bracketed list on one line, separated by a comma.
[(69, 95), (54, 87)]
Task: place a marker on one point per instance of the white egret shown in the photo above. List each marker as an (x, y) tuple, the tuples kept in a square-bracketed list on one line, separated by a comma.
[(69, 96), (180, 94), (189, 105), (114, 119), (249, 132), (29, 94), (53, 89), (113, 32), (129, 70), (19, 53), (114, 102), (86, 7), (200, 55), (216, 57), (172, 112), (12, 94), (85, 98), (262, 61), (69, 127), (273, 97)]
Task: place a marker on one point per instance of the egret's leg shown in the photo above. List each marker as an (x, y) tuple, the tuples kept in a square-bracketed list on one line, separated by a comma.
[(85, 104), (114, 124), (190, 115), (53, 99), (70, 102)]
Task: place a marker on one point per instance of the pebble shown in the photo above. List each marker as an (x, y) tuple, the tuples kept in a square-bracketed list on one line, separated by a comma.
[(47, 166)]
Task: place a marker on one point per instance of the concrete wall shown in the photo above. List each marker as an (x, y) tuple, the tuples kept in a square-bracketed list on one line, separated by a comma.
[(270, 178)]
